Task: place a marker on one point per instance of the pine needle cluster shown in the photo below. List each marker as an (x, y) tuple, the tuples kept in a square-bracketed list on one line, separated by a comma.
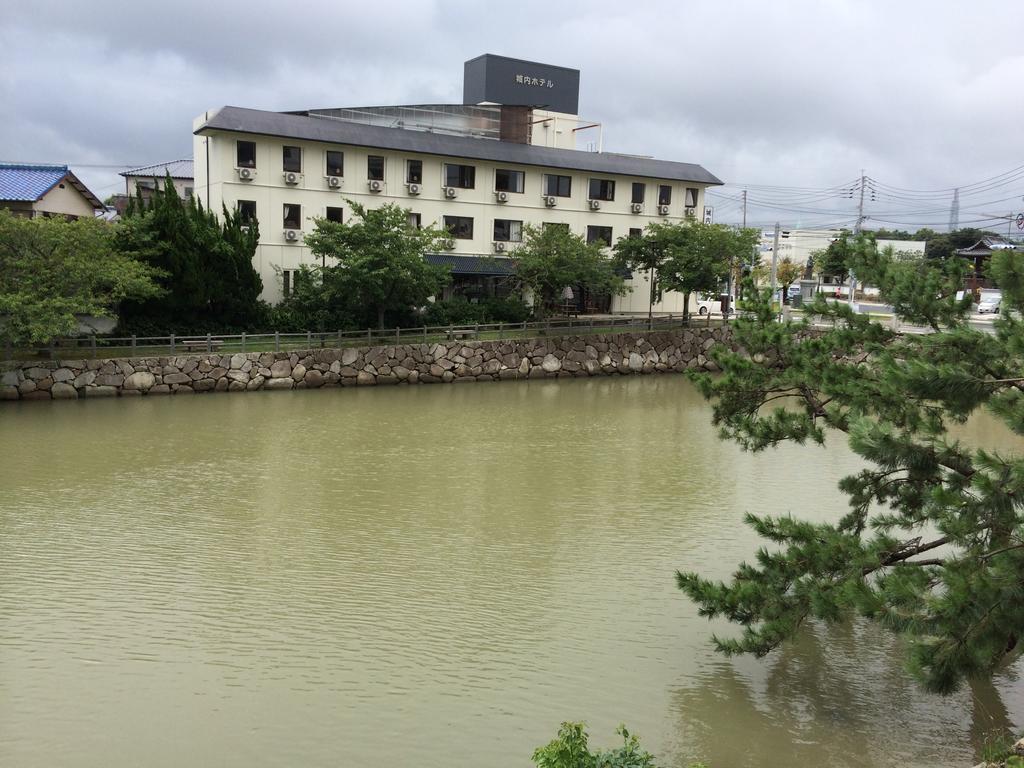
[(931, 543)]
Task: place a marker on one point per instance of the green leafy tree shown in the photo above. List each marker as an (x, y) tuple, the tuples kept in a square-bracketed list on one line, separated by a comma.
[(931, 544), (648, 253), (786, 271), (833, 262), (571, 749), (209, 280), (377, 261), (553, 258), (702, 257), (52, 269), (686, 256)]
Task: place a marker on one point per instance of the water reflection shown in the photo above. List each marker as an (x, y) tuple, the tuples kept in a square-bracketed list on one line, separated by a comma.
[(388, 577), (836, 696)]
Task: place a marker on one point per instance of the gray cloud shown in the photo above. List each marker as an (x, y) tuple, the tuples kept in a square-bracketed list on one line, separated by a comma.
[(801, 94)]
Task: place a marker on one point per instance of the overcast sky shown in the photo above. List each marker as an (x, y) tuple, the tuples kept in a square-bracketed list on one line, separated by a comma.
[(922, 95)]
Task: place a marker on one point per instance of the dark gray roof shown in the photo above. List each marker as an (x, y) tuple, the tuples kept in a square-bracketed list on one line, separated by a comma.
[(179, 169), (255, 121), (472, 265)]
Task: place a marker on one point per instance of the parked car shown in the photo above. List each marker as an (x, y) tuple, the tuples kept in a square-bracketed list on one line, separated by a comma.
[(990, 302), (711, 303), (707, 304)]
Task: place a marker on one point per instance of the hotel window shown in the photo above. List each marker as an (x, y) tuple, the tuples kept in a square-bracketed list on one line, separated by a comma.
[(664, 195), (247, 211), (602, 189), (188, 192), (508, 231), (245, 154), (599, 235), (335, 163), (559, 186), (414, 171), (509, 181), (463, 176), (292, 216), (291, 159), (375, 168), (691, 197), (333, 214), (639, 191), (459, 227), (415, 221), (635, 232)]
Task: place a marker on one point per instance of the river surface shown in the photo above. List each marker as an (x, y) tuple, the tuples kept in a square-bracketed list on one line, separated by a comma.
[(422, 576)]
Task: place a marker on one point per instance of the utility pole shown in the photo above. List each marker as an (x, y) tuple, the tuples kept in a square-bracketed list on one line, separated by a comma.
[(856, 231), (744, 209), (954, 211), (775, 258)]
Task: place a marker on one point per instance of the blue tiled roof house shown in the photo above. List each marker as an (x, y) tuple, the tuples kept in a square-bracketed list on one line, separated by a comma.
[(45, 190)]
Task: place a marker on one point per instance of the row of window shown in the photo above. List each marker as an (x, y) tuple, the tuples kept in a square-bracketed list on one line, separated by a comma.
[(460, 227), (464, 176)]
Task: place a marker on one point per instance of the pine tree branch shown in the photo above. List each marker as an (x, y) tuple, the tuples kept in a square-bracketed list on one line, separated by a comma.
[(907, 550)]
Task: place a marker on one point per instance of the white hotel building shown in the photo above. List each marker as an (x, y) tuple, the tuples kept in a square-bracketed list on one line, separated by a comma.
[(483, 170)]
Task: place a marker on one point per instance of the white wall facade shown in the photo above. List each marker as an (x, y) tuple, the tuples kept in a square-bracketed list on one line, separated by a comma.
[(270, 193), (183, 187), (63, 198)]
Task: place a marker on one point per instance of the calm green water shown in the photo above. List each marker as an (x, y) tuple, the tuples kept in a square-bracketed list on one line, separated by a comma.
[(432, 576)]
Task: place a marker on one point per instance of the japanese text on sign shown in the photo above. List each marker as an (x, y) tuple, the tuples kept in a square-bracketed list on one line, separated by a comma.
[(540, 82)]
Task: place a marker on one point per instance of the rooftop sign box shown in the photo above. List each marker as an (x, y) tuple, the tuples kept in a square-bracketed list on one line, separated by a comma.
[(501, 80)]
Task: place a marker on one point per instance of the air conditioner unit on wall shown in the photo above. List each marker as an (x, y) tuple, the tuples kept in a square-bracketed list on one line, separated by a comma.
[(550, 201), (691, 211), (334, 182), (595, 205), (501, 196), (376, 185), (449, 244), (500, 247), (451, 192), (414, 189), (291, 235), (246, 174), (663, 210), (637, 207)]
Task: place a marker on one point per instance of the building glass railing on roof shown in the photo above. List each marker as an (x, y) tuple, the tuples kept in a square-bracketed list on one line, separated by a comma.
[(481, 122)]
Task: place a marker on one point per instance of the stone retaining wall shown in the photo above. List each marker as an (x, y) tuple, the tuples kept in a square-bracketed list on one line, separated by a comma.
[(463, 361)]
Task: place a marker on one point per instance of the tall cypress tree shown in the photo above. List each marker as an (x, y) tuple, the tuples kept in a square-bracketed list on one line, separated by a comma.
[(931, 543), (211, 284)]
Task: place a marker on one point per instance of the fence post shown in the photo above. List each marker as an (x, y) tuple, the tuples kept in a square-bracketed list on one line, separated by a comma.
[(398, 335), (133, 345), (369, 336), (243, 341), (309, 339), (451, 332), (92, 340), (172, 343), (339, 337), (501, 329), (476, 330), (209, 344), (424, 334), (277, 341)]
